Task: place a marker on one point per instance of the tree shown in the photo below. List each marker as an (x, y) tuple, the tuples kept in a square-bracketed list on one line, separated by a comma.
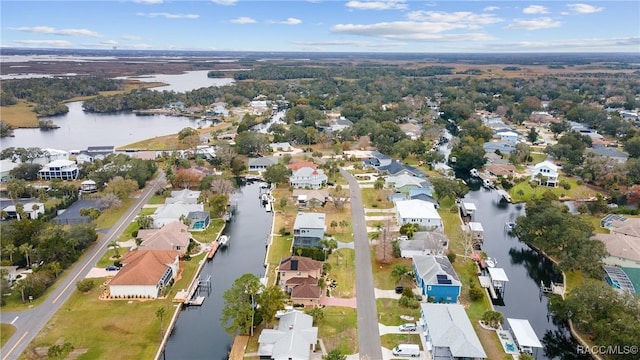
[(92, 213), (408, 229), (26, 249), (317, 314), (185, 178), (335, 354), (222, 186), (251, 143), (218, 204), (328, 245), (10, 249), (238, 312), (115, 245), (277, 173), (108, 201), (26, 171), (186, 132), (493, 318), (270, 300), (144, 221), (343, 224), (160, 312), (632, 146), (338, 196), (60, 351), (443, 187), (533, 135), (238, 166), (400, 271), (121, 187), (333, 224), (558, 128)]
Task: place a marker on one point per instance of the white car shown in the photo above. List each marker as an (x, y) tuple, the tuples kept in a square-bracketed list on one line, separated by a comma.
[(407, 327)]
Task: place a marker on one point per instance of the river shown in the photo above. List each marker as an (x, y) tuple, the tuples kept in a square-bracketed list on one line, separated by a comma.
[(198, 333), (79, 129), (525, 269)]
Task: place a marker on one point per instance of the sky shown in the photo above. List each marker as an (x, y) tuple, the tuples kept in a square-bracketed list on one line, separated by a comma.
[(400, 26)]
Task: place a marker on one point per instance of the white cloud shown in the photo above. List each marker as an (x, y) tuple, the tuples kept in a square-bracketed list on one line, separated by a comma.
[(564, 13), (584, 8), (377, 5), (44, 43), (289, 21), (108, 43), (149, 1), (410, 30), (535, 9), (534, 24), (348, 43), (459, 19), (224, 2), (593, 44), (170, 15), (491, 8), (53, 31), (243, 20), (131, 37)]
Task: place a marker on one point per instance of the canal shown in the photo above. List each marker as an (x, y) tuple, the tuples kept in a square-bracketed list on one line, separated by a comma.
[(198, 333), (525, 269)]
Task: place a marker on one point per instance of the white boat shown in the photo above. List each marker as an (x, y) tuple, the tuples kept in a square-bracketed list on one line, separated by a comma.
[(491, 262), (474, 173), (223, 240), (487, 184)]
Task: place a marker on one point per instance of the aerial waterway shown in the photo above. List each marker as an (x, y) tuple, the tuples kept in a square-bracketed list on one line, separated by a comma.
[(526, 270), (198, 333)]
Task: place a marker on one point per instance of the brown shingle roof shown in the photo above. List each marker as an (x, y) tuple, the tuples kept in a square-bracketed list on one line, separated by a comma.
[(306, 291), (300, 280), (167, 237), (144, 267), (299, 263)]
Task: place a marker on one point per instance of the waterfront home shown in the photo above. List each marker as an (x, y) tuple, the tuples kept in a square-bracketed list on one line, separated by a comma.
[(59, 169), (185, 196), (282, 146), (101, 152), (419, 212), (503, 170), (171, 212), (198, 220), (545, 173), (449, 333), (509, 137), (436, 278), (144, 274), (310, 198), (308, 229), (425, 197), (307, 177), (84, 157), (261, 164), (622, 243), (294, 337), (502, 147), (32, 210), (173, 236), (423, 243), (302, 164), (298, 276), (6, 166), (48, 155)]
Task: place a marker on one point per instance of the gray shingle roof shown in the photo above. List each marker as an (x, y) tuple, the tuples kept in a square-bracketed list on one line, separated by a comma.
[(309, 221)]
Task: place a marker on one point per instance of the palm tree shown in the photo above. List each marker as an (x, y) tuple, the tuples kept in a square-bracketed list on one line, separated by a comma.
[(317, 314), (334, 224), (26, 249), (343, 224), (160, 315), (400, 271), (115, 246), (10, 249)]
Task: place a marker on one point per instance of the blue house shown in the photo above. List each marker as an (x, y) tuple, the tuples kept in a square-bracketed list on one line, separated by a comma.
[(436, 278)]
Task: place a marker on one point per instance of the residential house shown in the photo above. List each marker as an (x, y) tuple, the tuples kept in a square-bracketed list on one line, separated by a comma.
[(424, 197), (185, 196), (261, 164), (219, 109), (308, 229), (609, 153), (311, 198), (505, 170), (49, 155), (198, 220), (502, 147), (173, 236), (509, 137), (298, 276), (308, 177), (6, 166), (404, 183), (436, 278), (377, 159), (622, 243), (101, 152), (10, 273), (33, 210), (59, 169), (302, 164), (339, 124), (545, 173), (282, 146), (84, 157), (419, 212), (449, 333), (424, 243), (171, 212), (144, 274), (294, 338)]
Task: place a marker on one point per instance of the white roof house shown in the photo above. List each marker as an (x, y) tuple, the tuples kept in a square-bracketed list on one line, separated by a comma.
[(59, 169), (307, 177), (32, 209), (509, 136), (403, 180), (419, 212), (294, 338), (423, 243), (6, 166), (449, 331), (185, 196), (545, 170), (172, 212)]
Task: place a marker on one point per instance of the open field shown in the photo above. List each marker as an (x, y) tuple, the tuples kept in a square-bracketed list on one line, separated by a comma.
[(338, 329), (20, 115)]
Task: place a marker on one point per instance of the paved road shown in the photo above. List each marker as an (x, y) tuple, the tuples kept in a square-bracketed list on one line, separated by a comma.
[(30, 322), (369, 343)]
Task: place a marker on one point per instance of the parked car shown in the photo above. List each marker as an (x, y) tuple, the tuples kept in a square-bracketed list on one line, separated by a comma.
[(112, 268), (399, 289), (407, 327)]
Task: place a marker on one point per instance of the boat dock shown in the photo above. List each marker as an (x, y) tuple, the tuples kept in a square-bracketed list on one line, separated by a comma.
[(187, 296), (214, 248)]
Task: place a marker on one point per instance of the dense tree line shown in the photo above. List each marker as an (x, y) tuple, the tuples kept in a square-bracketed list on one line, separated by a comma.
[(119, 165), (133, 100)]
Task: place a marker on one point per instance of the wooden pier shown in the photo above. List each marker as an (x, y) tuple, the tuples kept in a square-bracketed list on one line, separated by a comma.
[(214, 248), (188, 297)]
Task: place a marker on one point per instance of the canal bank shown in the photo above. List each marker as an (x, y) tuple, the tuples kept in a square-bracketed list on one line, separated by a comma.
[(198, 333), (526, 270)]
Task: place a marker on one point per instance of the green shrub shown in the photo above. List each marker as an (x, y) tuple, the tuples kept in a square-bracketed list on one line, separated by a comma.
[(85, 285), (475, 293), (579, 182), (451, 256)]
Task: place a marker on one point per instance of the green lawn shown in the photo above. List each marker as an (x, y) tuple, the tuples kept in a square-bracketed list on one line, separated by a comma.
[(211, 233), (342, 269), (107, 260), (595, 221), (372, 198), (147, 211), (391, 340), (111, 216), (523, 191), (338, 329), (452, 229), (127, 234), (280, 247), (389, 312), (6, 331), (117, 328), (156, 200)]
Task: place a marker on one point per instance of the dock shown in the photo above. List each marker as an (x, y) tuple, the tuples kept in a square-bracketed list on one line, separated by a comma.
[(214, 248), (187, 296), (504, 196)]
